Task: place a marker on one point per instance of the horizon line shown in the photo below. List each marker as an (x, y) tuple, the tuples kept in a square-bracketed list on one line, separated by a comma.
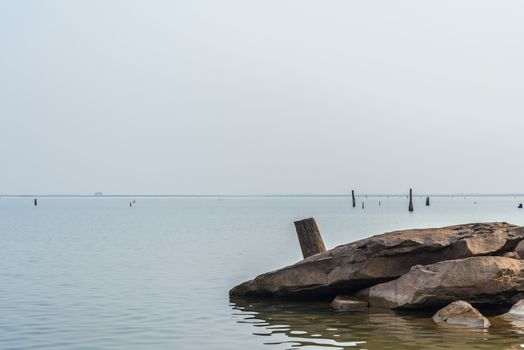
[(303, 195)]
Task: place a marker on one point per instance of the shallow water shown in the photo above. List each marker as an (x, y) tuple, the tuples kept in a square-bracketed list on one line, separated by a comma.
[(92, 273)]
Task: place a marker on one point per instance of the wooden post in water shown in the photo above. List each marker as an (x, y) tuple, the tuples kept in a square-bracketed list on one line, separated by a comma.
[(427, 201), (410, 208), (36, 203), (353, 196), (309, 237)]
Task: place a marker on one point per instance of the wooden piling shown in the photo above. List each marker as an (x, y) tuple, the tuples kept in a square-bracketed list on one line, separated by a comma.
[(427, 201), (353, 196), (36, 203), (410, 208), (309, 237)]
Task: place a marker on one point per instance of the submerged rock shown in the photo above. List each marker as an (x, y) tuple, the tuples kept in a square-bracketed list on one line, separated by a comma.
[(484, 279), (346, 303), (364, 263), (461, 313)]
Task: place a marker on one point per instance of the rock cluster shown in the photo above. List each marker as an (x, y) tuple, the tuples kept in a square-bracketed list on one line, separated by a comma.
[(355, 266), (409, 269)]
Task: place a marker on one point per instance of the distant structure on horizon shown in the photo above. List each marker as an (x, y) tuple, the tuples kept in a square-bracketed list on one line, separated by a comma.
[(99, 194)]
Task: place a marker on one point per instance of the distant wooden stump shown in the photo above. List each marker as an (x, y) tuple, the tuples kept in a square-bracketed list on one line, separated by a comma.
[(410, 207), (309, 237)]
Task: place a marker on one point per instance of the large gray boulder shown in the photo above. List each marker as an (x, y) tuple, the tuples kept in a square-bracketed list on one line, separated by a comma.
[(364, 263), (483, 279), (461, 313)]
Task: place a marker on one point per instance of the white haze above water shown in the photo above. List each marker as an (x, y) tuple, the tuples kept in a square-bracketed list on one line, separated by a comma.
[(258, 97)]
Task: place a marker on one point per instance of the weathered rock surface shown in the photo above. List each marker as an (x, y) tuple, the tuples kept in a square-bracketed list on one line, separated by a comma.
[(346, 303), (461, 313), (364, 263), (483, 279), (512, 255), (519, 249)]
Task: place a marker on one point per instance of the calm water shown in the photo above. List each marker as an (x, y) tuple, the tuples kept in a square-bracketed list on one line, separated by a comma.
[(93, 273)]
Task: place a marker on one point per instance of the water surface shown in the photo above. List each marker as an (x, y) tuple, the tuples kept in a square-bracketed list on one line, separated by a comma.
[(92, 273)]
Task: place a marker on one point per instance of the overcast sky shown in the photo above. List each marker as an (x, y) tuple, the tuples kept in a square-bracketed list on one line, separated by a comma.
[(258, 97)]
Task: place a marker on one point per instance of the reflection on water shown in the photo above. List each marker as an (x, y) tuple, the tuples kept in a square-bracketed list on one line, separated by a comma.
[(293, 325)]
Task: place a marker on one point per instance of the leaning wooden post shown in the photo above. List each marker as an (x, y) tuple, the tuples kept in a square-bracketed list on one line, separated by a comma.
[(309, 237), (427, 201), (410, 208), (353, 196)]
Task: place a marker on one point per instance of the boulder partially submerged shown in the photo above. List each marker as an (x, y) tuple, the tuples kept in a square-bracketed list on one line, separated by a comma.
[(482, 279), (461, 313), (349, 268)]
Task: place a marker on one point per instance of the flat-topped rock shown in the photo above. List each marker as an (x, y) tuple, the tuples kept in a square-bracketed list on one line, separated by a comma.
[(461, 313), (347, 303), (364, 263), (483, 279)]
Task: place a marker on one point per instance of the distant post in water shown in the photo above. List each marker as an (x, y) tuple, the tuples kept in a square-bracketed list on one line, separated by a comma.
[(427, 201), (353, 196), (309, 237), (36, 203), (410, 208)]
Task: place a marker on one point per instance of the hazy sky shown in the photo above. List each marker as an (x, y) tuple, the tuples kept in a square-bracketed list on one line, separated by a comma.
[(239, 97)]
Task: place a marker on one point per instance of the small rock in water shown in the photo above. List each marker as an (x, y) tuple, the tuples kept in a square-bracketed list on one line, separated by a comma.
[(461, 313), (345, 303), (516, 310)]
